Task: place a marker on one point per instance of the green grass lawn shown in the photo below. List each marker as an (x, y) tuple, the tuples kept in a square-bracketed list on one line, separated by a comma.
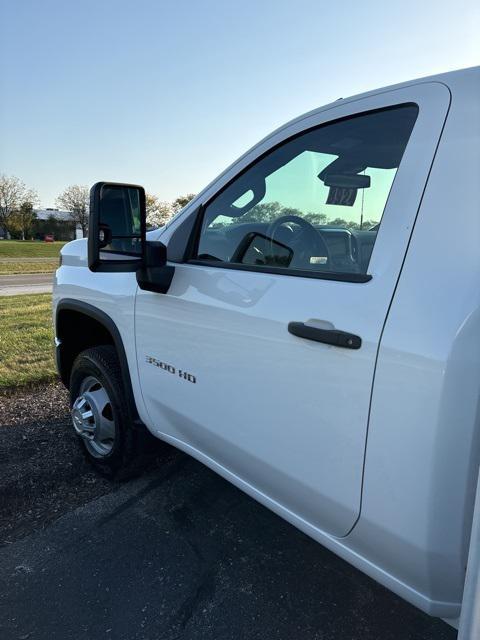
[(21, 257), (13, 266), (29, 249), (26, 340)]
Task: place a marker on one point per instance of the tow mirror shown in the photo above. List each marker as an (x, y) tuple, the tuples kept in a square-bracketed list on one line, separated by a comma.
[(116, 237)]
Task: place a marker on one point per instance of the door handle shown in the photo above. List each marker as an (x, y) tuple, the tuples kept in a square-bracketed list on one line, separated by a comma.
[(328, 336)]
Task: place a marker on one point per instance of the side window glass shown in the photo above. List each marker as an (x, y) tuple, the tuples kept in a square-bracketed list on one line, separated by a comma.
[(314, 203)]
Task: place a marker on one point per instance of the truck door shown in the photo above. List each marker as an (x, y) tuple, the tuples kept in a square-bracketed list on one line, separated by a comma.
[(261, 356)]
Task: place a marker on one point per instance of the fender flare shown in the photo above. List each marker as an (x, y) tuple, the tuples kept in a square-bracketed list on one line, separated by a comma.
[(70, 304)]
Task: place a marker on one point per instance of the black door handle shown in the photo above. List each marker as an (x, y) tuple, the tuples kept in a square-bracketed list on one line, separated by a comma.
[(329, 336)]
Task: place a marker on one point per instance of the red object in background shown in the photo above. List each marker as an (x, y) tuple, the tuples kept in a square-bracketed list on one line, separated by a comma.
[(49, 238)]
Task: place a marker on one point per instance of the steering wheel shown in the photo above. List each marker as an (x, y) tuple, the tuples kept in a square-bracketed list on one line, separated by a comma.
[(306, 243)]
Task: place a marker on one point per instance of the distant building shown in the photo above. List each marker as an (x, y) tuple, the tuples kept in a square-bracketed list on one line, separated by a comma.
[(51, 221), (56, 222), (49, 212)]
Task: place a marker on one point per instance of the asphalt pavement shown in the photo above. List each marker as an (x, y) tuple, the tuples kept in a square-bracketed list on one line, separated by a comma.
[(182, 554), (28, 283)]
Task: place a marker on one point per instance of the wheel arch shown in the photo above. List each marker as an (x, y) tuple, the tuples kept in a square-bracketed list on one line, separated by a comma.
[(79, 326)]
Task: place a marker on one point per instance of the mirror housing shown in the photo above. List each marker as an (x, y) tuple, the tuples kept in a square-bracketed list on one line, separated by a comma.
[(117, 227), (117, 236)]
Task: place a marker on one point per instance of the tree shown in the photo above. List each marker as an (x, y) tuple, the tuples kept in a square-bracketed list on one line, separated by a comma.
[(316, 218), (265, 212), (75, 199), (158, 211), (182, 201), (23, 218), (13, 194)]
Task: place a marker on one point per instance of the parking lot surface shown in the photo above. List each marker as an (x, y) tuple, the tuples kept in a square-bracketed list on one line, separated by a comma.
[(178, 553), (29, 283)]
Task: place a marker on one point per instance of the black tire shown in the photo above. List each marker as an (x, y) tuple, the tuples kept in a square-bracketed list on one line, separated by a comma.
[(132, 444)]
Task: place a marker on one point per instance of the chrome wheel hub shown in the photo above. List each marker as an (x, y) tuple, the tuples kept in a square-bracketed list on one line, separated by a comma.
[(92, 417)]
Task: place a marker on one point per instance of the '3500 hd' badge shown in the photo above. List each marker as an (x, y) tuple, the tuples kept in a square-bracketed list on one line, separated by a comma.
[(169, 368)]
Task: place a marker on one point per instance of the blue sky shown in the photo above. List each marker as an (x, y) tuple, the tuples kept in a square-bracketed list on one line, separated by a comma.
[(168, 93)]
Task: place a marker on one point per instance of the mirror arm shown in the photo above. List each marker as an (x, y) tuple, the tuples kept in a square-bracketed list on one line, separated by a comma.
[(155, 279), (155, 254), (154, 274)]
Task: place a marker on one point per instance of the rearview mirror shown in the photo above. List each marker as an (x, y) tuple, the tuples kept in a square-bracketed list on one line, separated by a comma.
[(346, 180), (116, 237)]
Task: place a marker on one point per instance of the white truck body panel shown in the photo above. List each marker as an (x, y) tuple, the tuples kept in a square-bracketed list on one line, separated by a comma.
[(310, 401), (374, 453)]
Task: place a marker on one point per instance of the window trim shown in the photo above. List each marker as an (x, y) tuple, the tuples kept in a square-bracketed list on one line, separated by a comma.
[(285, 271), (194, 240)]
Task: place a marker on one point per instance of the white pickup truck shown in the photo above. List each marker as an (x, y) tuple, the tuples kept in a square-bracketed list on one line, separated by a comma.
[(308, 327)]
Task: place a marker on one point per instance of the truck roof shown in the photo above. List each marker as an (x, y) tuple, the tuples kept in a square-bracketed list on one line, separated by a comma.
[(449, 78)]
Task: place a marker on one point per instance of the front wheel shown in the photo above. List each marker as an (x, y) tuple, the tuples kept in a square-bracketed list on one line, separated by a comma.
[(101, 415)]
